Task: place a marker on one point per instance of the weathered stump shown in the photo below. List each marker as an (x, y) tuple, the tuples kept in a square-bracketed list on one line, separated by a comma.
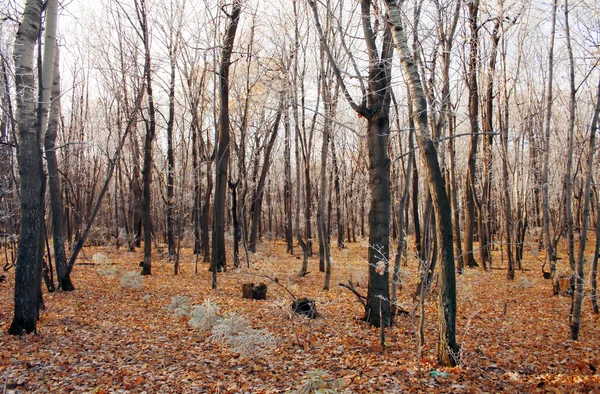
[(564, 285), (305, 307), (254, 292)]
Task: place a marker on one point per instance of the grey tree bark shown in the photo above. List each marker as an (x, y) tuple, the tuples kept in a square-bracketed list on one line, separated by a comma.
[(578, 300), (448, 349), (219, 259), (568, 182), (375, 107), (472, 84), (28, 273), (550, 252), (142, 16), (54, 184)]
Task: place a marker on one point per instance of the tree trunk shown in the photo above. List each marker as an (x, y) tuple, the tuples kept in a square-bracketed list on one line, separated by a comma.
[(415, 199), (29, 256), (196, 170), (236, 224), (379, 221), (594, 271), (304, 269), (338, 196), (578, 300), (504, 127), (403, 203), (219, 260), (170, 155), (448, 348), (56, 205), (323, 231), (148, 140), (473, 7), (550, 252), (287, 186), (375, 107), (568, 205), (205, 213)]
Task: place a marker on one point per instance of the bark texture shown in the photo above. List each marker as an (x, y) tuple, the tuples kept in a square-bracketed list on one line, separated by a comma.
[(448, 348), (28, 274)]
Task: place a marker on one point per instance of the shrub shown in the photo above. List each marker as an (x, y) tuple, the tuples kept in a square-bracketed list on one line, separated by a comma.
[(100, 259), (131, 280), (180, 305), (111, 271), (241, 338), (204, 317), (232, 330)]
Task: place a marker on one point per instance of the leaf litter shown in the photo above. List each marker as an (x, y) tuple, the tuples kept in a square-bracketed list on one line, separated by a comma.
[(109, 337)]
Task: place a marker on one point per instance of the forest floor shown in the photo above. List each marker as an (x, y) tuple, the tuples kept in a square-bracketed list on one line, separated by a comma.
[(104, 337)]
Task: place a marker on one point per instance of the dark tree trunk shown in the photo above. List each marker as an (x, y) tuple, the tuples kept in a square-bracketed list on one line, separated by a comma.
[(379, 221), (594, 270), (28, 274), (375, 107), (415, 203), (236, 224), (136, 187), (402, 244), (219, 260), (448, 348), (550, 251), (338, 196), (205, 214), (579, 272), (304, 269), (196, 170), (287, 186), (56, 205), (148, 140), (470, 181), (170, 155), (485, 207)]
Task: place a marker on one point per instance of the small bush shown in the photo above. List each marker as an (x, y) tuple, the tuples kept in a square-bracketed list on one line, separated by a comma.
[(100, 259), (111, 271), (231, 330), (241, 338), (204, 317), (180, 305), (131, 280), (252, 342)]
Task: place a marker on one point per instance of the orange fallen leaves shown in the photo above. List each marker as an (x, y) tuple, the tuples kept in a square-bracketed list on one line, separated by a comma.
[(103, 338)]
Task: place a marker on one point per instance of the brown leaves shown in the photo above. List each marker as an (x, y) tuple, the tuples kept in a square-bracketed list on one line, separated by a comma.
[(103, 338)]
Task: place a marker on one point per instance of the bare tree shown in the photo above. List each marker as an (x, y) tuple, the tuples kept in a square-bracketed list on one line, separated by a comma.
[(470, 192), (578, 296), (54, 186), (375, 107), (144, 32), (30, 122), (550, 252), (218, 261), (448, 348)]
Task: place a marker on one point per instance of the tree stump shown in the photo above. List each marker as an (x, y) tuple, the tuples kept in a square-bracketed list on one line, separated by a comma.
[(564, 285), (305, 307), (254, 292)]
